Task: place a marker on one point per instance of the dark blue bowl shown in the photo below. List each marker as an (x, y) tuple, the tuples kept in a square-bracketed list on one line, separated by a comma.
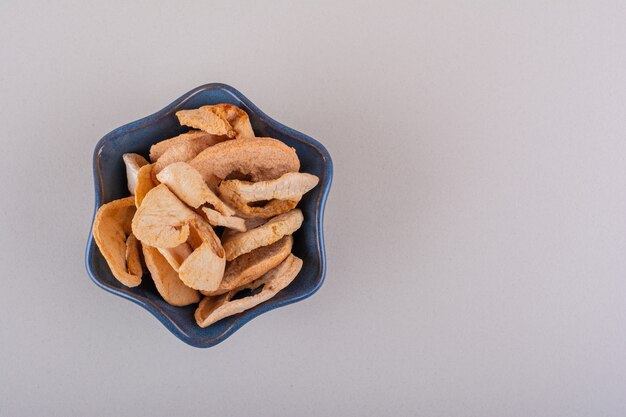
[(110, 184)]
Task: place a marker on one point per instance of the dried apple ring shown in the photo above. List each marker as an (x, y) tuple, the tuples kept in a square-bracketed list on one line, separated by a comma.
[(236, 244), (162, 219), (219, 119), (203, 269), (188, 185), (246, 268), (259, 159), (183, 151), (111, 229), (213, 309), (290, 186), (145, 182), (270, 209), (167, 281), (192, 138), (133, 163)]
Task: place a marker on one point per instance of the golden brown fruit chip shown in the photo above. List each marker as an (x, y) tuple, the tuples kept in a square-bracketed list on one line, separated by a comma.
[(111, 227), (176, 255), (193, 136), (252, 265), (204, 268), (290, 186), (133, 162), (213, 309), (259, 159), (162, 219), (167, 282), (133, 262), (270, 209), (188, 185), (145, 183), (218, 119), (216, 218), (236, 243), (184, 151)]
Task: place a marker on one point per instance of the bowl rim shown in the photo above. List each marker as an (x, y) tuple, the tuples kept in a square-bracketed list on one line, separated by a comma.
[(149, 305)]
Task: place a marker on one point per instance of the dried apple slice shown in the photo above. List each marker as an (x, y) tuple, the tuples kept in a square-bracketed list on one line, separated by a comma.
[(196, 138), (111, 227), (236, 243), (246, 268), (188, 185), (219, 119), (259, 159), (270, 209), (166, 279), (290, 186), (282, 194), (183, 151), (213, 309), (162, 219), (133, 163), (203, 269), (145, 182)]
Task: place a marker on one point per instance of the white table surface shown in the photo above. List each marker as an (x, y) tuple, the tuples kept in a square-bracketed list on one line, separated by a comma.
[(476, 231)]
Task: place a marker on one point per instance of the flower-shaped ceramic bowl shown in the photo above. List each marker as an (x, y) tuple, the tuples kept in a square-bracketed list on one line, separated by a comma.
[(110, 184)]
